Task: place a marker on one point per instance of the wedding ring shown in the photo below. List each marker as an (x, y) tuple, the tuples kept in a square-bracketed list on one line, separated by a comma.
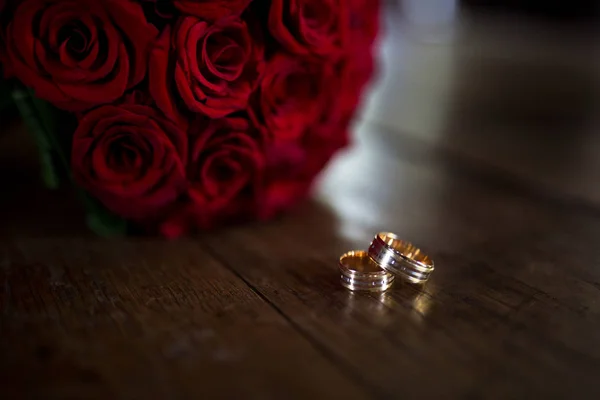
[(360, 273), (400, 257)]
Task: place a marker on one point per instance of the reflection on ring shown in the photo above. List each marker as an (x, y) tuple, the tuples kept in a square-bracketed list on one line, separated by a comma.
[(360, 273), (400, 258)]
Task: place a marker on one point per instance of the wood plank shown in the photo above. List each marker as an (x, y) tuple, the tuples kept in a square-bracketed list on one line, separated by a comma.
[(513, 305), (140, 318)]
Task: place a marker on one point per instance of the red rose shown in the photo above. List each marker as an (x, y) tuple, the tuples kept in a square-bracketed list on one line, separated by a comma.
[(226, 167), (341, 102), (131, 158), (290, 96), (181, 220), (214, 67), (79, 54), (293, 166), (362, 23), (291, 171), (226, 171), (309, 26), (359, 63), (212, 10), (352, 72), (160, 8)]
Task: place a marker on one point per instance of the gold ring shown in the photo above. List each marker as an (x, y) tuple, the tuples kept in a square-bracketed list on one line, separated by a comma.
[(400, 257), (360, 273)]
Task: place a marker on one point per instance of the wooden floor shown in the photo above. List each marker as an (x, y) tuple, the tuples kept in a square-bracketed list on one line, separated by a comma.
[(480, 143)]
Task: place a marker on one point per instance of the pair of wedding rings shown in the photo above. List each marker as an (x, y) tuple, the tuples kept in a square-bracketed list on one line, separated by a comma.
[(388, 257)]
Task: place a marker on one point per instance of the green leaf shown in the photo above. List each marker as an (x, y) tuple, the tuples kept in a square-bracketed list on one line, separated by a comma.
[(101, 221), (43, 120), (5, 95), (49, 175), (106, 226)]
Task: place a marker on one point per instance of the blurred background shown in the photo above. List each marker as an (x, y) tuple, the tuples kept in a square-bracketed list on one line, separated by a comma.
[(512, 83)]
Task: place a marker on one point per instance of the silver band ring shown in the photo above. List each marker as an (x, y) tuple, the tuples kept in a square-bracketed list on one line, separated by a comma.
[(400, 258)]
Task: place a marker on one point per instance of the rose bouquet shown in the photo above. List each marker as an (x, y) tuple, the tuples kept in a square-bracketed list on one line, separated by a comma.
[(177, 115)]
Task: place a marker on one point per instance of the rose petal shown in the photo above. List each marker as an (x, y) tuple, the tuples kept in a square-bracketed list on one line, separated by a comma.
[(154, 178), (105, 55)]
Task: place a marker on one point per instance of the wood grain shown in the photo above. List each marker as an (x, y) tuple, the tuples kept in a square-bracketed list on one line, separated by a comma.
[(146, 319), (511, 299)]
